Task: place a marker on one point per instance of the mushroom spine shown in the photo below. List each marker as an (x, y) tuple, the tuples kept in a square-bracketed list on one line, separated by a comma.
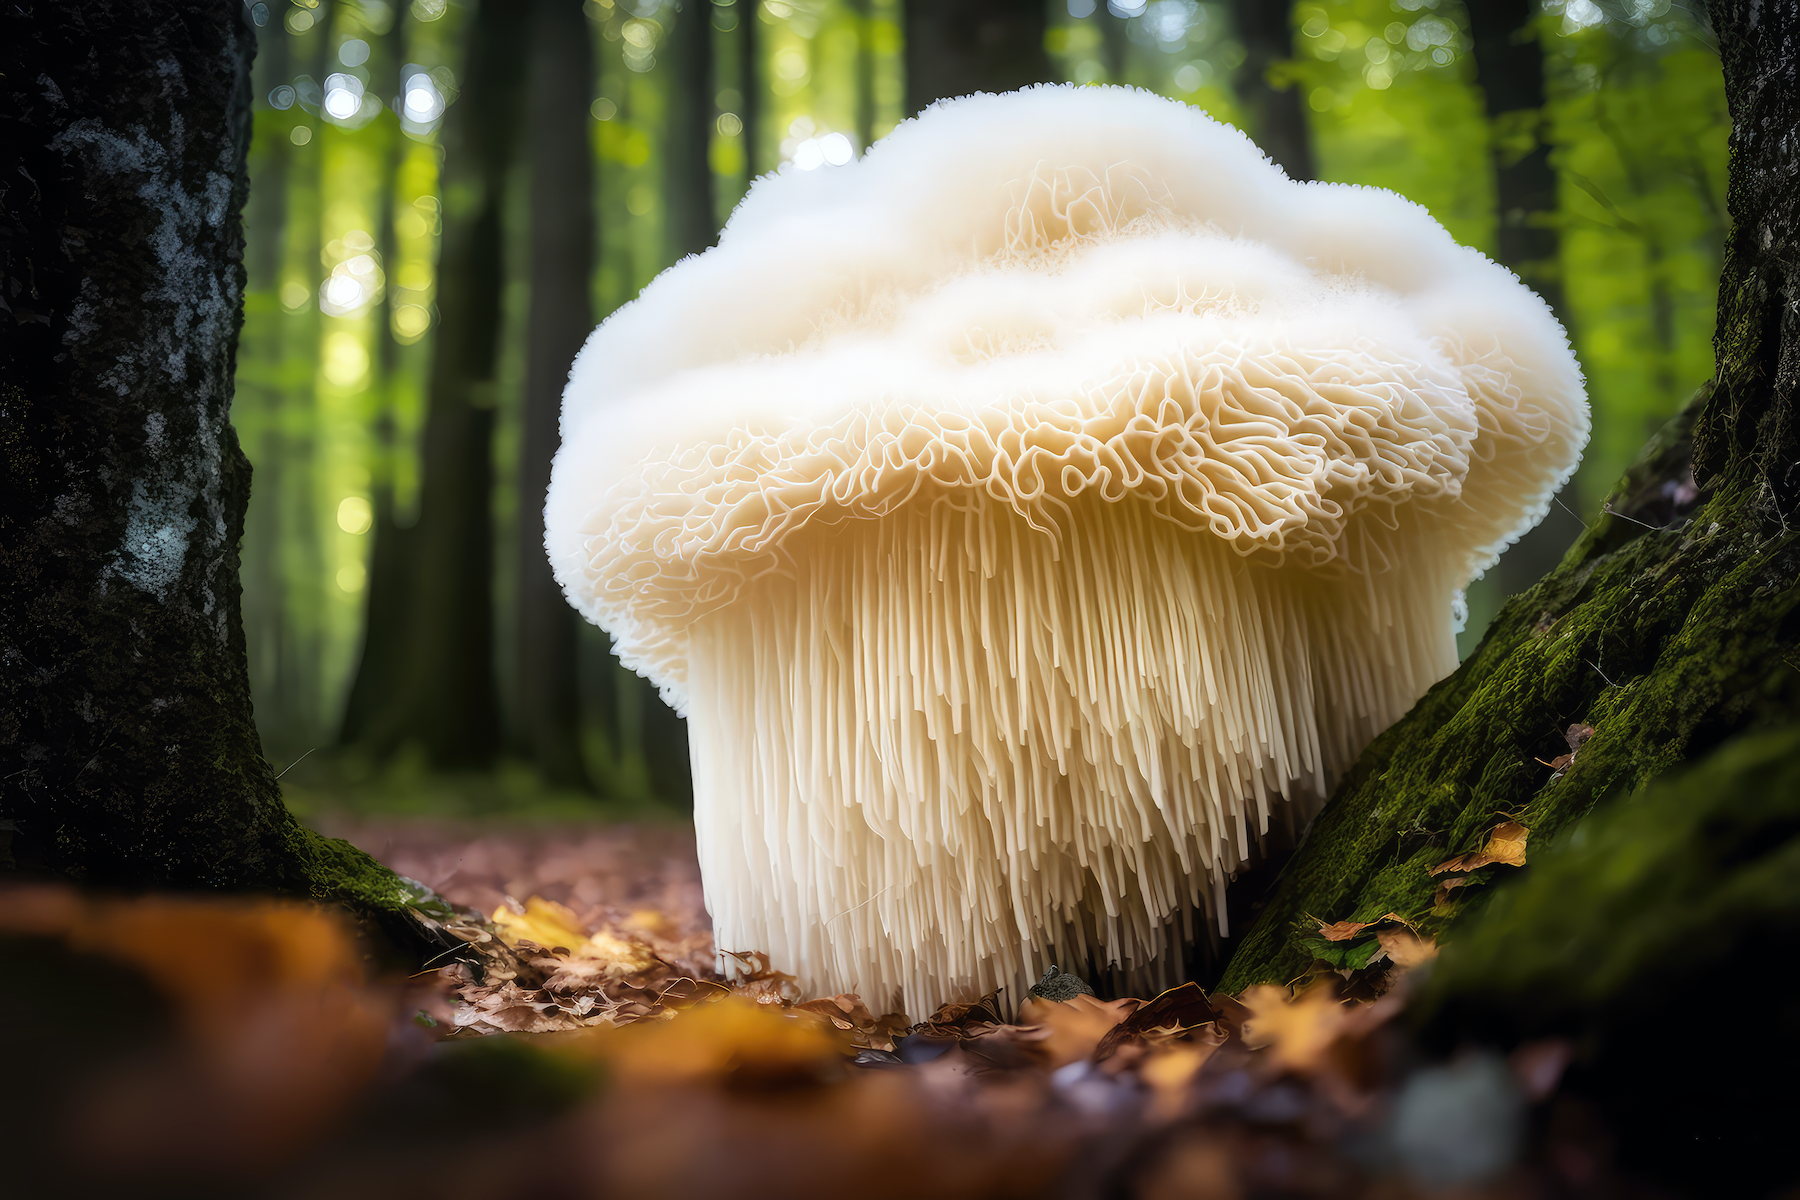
[(1028, 515)]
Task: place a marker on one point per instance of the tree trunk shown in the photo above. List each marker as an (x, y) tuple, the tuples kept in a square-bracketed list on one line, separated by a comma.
[(955, 47), (1277, 116), (562, 255), (448, 698), (131, 756), (381, 663), (1668, 628), (690, 210), (749, 59), (1509, 66)]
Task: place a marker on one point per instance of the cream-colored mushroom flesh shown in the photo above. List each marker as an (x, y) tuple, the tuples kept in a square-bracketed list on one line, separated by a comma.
[(1029, 514)]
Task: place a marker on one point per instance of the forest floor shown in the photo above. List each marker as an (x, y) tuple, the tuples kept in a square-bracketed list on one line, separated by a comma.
[(575, 1041)]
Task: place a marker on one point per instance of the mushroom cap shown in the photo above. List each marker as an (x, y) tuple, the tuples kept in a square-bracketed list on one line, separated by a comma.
[(1043, 295)]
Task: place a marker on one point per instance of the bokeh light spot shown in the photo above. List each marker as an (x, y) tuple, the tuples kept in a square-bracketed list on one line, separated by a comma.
[(354, 515)]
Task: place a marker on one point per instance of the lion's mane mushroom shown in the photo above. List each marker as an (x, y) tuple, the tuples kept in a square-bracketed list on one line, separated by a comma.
[(1026, 515)]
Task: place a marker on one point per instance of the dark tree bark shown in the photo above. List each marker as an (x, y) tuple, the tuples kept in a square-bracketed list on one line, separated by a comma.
[(1509, 65), (865, 74), (691, 213), (955, 47), (1670, 627), (380, 666), (1115, 43), (447, 699), (562, 255), (1277, 116), (749, 65), (128, 750)]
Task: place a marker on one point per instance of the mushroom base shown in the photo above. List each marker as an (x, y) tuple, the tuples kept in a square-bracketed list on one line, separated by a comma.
[(937, 752)]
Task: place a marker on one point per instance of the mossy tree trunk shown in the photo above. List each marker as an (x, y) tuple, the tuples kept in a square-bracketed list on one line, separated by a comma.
[(1671, 625), (128, 751)]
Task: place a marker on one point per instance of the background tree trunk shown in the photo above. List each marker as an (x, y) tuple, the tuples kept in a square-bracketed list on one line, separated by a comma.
[(1509, 66), (954, 47), (446, 700), (381, 665), (547, 722), (690, 209), (1672, 625), (130, 755), (1277, 116), (749, 82)]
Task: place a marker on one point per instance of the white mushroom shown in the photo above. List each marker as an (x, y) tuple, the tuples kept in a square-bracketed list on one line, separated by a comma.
[(1028, 514)]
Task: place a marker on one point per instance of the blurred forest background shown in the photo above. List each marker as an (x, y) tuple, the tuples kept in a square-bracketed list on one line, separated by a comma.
[(446, 195)]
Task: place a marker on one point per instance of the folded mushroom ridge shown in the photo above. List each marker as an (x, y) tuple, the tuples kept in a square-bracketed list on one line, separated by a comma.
[(1272, 449)]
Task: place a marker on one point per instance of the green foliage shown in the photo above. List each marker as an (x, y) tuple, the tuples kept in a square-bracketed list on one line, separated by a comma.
[(1640, 132), (1394, 105), (330, 399)]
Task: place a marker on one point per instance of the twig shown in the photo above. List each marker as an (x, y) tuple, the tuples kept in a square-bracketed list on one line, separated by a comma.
[(293, 764), (1610, 511)]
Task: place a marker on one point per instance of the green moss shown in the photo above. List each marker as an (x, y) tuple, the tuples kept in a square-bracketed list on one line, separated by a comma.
[(1691, 870), (1666, 640), (333, 869)]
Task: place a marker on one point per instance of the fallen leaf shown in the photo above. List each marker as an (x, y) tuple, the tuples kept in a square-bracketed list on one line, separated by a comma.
[(1343, 931), (545, 922), (1505, 846), (1169, 1016), (1442, 896), (1170, 1069), (951, 1019), (850, 1016), (1296, 1032), (1405, 948), (1076, 1025), (734, 1043)]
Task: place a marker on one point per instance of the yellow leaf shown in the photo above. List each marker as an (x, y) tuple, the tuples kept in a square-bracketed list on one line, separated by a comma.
[(545, 922), (1297, 1032)]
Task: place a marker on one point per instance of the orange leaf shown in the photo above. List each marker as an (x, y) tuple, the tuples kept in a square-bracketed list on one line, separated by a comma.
[(1505, 845)]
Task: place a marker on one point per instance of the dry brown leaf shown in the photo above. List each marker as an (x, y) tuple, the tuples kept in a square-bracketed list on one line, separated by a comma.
[(1442, 896), (1296, 1032), (1173, 1015), (1076, 1026), (951, 1020), (1505, 846), (1342, 931), (847, 1014)]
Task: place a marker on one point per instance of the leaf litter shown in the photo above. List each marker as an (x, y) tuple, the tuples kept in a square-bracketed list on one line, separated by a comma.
[(631, 1067)]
